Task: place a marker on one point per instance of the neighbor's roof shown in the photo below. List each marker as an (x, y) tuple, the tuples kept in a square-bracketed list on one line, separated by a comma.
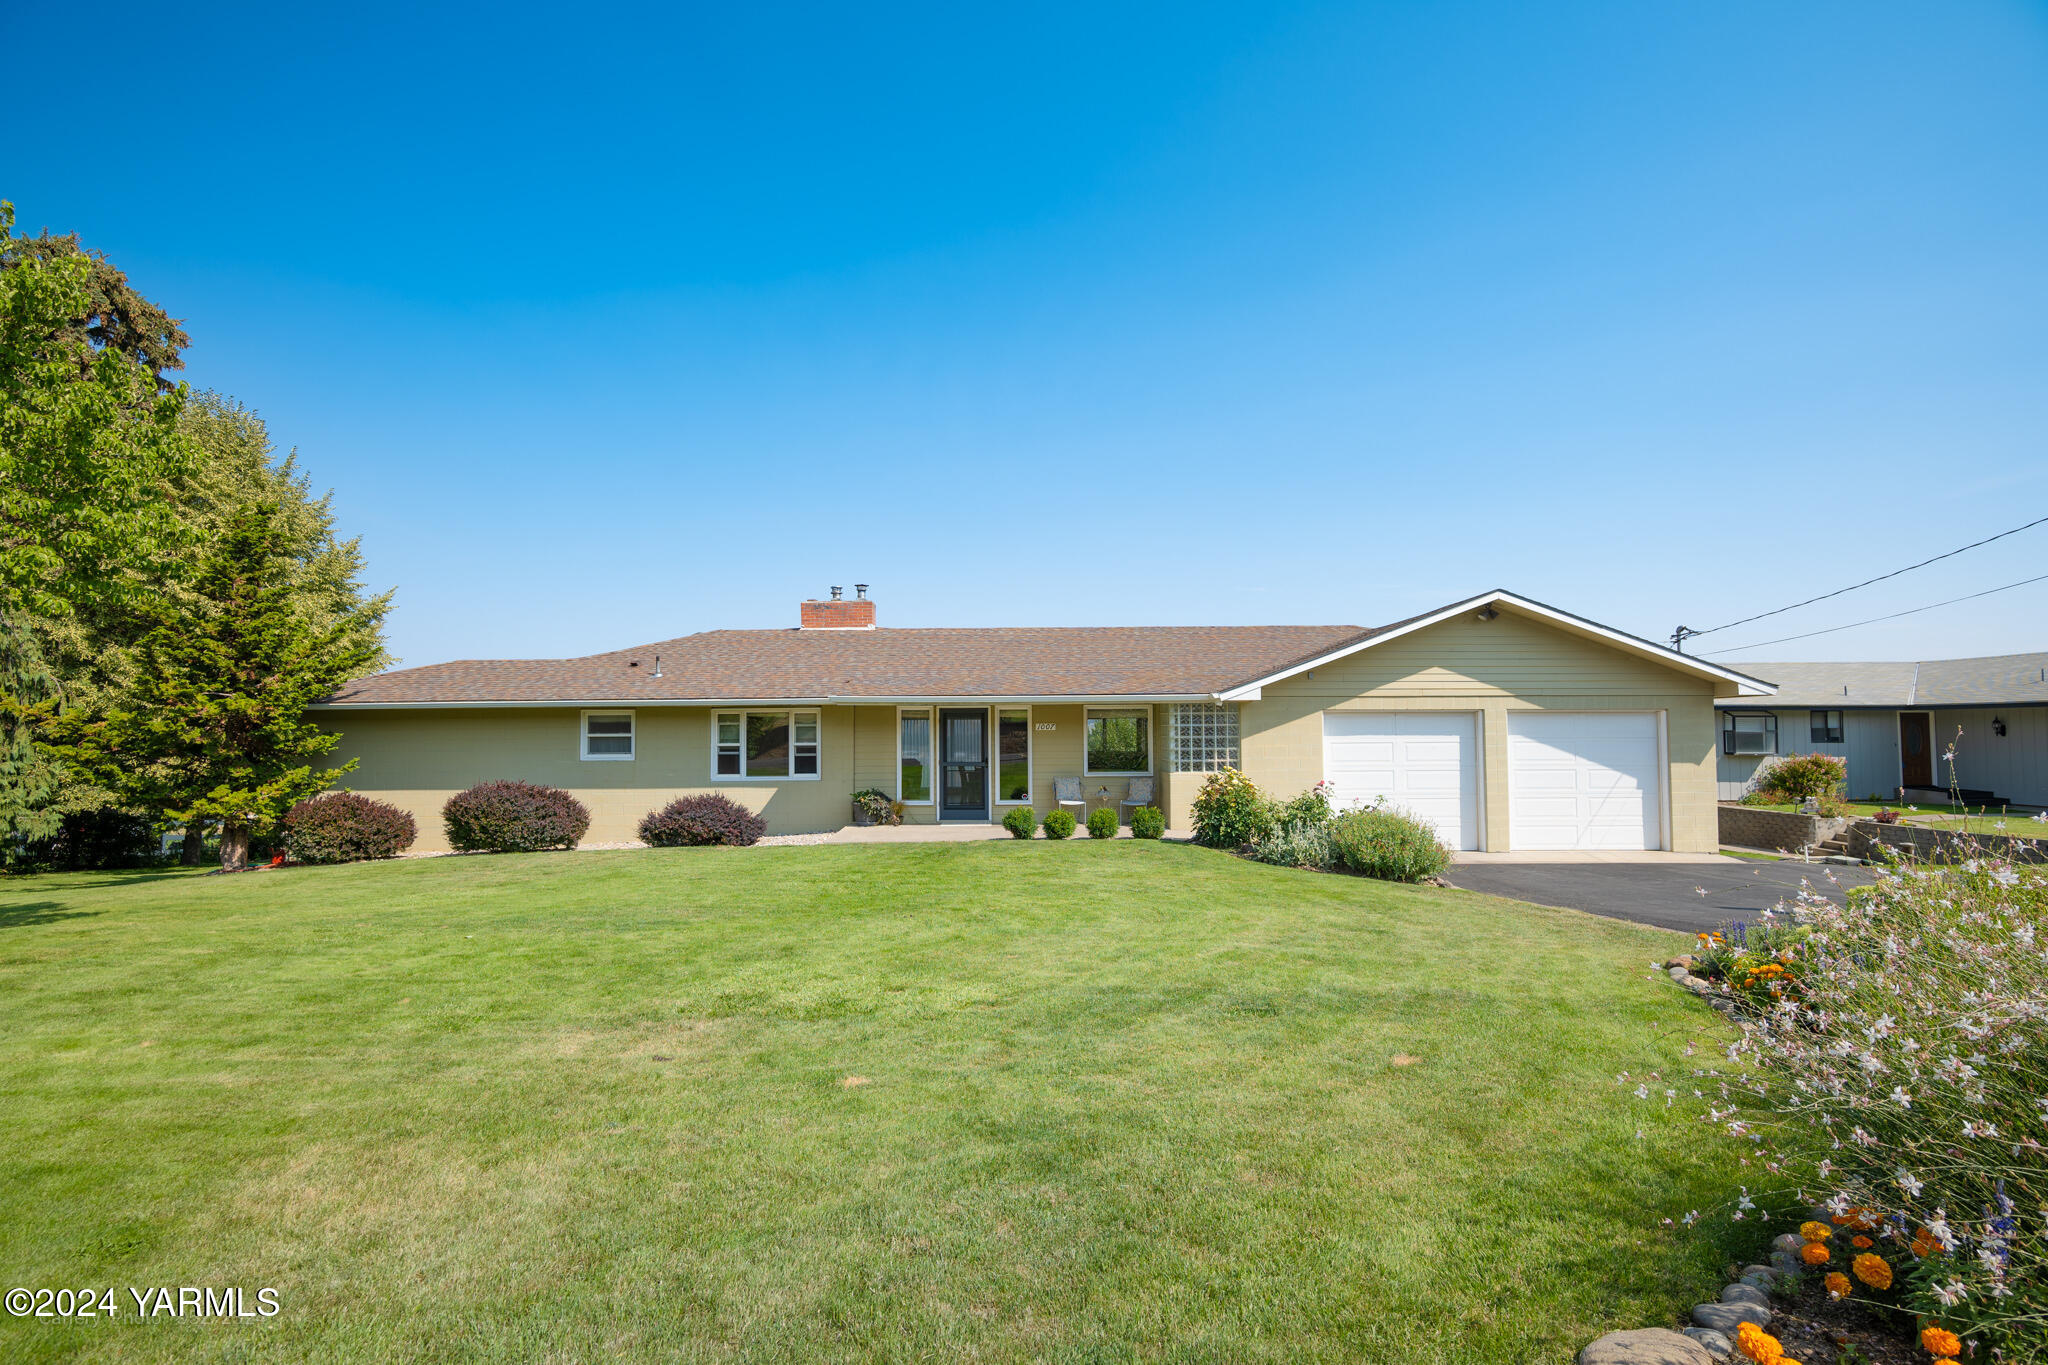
[(2000, 679), (820, 665)]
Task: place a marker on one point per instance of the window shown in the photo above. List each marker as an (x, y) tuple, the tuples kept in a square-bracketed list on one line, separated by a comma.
[(1013, 755), (1749, 732), (1201, 737), (765, 744), (1826, 727), (1119, 742), (914, 757), (607, 735)]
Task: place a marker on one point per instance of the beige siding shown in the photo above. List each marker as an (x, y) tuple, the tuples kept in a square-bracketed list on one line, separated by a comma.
[(1489, 668), (418, 759)]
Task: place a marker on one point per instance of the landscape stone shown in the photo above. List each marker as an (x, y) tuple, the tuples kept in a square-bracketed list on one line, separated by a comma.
[(1727, 1317), (1788, 1241), (1646, 1346), (1763, 1281), (1714, 1341), (1749, 1270), (1685, 960), (1744, 1293), (1678, 973)]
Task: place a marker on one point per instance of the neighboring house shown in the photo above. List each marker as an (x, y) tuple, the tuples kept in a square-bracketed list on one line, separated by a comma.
[(1894, 722), (1507, 723)]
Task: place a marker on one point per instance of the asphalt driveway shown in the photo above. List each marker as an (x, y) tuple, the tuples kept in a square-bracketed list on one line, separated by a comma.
[(1664, 894)]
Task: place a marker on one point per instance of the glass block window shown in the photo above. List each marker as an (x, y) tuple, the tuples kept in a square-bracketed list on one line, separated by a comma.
[(1201, 737)]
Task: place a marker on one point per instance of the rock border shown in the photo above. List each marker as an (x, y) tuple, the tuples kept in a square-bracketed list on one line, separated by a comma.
[(1708, 1337)]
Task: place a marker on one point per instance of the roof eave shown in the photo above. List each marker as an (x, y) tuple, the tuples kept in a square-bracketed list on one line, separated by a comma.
[(836, 699), (1746, 686)]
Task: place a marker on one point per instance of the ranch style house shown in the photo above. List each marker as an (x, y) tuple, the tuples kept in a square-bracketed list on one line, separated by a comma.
[(1507, 723)]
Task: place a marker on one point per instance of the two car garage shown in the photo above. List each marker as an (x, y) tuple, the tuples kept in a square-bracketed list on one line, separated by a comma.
[(1587, 780)]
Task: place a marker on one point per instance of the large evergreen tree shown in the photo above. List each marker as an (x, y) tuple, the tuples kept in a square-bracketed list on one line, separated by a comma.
[(90, 453), (216, 727)]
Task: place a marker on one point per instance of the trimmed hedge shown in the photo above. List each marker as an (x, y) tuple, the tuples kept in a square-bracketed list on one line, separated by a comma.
[(1148, 822), (1059, 824), (691, 821), (343, 827), (1021, 822), (513, 817), (1102, 824)]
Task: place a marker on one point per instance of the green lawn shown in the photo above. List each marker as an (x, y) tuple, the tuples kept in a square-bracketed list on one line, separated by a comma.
[(1034, 1101), (1941, 815)]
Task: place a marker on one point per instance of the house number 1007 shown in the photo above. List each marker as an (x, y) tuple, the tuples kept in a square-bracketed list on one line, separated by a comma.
[(1048, 725)]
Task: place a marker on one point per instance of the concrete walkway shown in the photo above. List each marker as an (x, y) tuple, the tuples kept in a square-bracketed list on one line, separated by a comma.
[(917, 834)]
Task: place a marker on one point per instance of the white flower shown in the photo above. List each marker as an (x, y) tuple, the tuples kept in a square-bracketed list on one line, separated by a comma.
[(1901, 1098), (1951, 1293), (1911, 1186)]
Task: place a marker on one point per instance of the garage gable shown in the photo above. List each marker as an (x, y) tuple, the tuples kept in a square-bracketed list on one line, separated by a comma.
[(1505, 645)]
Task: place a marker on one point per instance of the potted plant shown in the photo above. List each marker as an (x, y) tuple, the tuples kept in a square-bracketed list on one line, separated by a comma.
[(873, 806)]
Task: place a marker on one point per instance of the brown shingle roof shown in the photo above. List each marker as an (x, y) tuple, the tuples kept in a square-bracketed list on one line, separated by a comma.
[(744, 665)]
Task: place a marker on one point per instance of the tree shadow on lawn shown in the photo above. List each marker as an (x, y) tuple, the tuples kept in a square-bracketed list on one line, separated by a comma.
[(99, 881), (40, 912)]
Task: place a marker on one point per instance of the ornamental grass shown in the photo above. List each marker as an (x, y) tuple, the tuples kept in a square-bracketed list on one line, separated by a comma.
[(1905, 1085)]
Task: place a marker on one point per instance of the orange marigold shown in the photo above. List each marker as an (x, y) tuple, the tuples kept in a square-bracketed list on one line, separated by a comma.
[(1925, 1243), (1861, 1243), (1815, 1231), (1758, 1345), (1873, 1270), (1940, 1341), (1814, 1253), (1838, 1284), (1857, 1220)]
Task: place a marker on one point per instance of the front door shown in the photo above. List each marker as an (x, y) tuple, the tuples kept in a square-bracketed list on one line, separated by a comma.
[(1916, 749), (963, 765)]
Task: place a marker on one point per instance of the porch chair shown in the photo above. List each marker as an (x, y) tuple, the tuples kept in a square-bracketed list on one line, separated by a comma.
[(1140, 794), (1066, 791)]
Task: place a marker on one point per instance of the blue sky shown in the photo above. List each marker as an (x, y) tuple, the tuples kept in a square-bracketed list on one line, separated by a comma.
[(607, 326)]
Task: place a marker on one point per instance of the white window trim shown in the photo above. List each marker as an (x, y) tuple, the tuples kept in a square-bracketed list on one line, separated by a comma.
[(632, 736), (995, 715), (743, 712), (931, 739), (1151, 743)]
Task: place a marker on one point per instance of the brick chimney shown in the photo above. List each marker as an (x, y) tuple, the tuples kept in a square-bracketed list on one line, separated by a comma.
[(837, 613)]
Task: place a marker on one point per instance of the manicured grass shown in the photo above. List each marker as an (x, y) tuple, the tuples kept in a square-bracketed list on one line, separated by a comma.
[(1010, 1101), (1945, 815)]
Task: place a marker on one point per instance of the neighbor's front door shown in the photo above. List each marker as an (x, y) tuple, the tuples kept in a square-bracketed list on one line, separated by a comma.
[(963, 765), (1916, 749)]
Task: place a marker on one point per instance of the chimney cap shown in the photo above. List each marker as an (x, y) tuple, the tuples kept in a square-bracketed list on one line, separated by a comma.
[(860, 591), (836, 591)]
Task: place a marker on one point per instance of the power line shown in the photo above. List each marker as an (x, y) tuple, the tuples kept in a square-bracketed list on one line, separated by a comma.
[(1910, 611), (1684, 633)]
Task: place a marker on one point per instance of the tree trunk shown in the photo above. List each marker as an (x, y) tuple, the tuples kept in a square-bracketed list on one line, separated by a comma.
[(234, 846), (195, 844)]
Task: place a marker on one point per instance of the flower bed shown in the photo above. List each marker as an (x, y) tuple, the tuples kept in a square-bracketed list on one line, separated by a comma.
[(1895, 1065)]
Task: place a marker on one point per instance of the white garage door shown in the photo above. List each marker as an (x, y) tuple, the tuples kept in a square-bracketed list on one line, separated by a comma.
[(1583, 780), (1423, 762)]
